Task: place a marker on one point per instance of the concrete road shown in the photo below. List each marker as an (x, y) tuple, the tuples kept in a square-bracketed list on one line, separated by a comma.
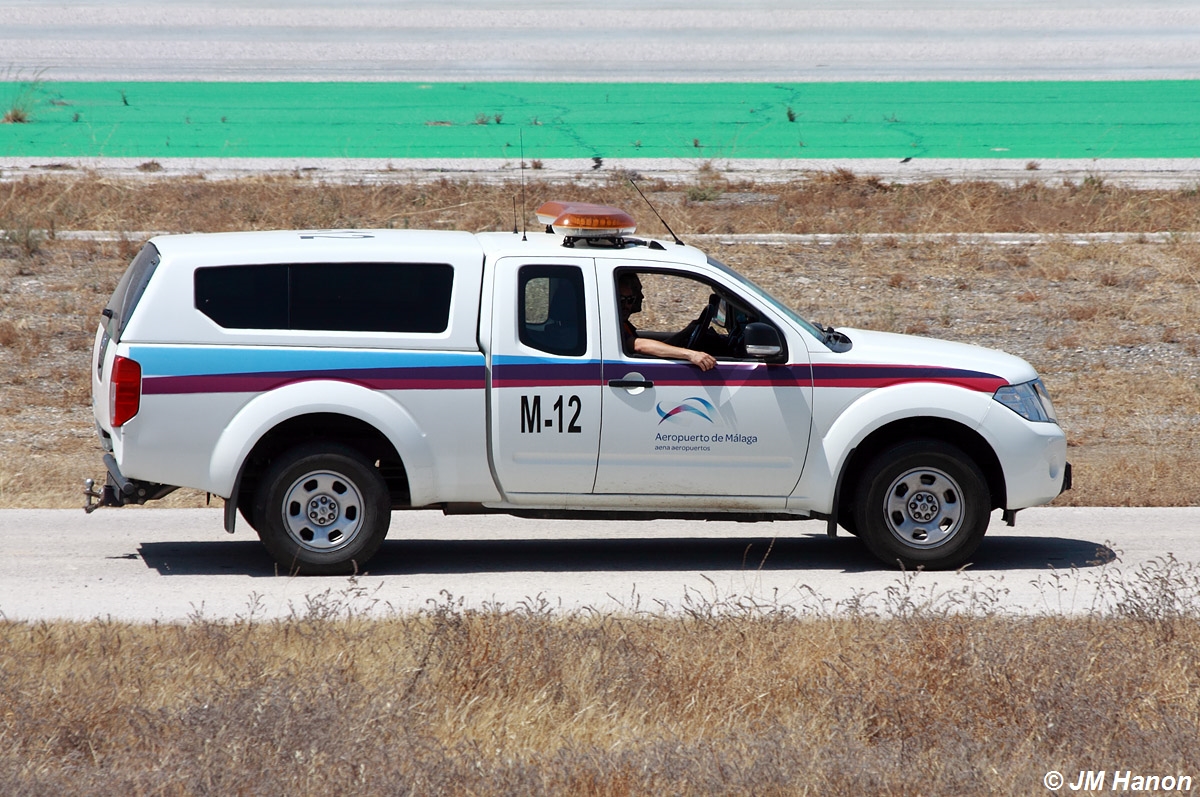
[(159, 564), (616, 40)]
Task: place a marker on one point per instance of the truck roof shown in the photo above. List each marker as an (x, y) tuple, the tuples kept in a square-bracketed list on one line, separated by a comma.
[(275, 246), (549, 244), (369, 245)]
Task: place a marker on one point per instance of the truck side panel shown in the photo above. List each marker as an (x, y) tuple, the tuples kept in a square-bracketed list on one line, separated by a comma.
[(231, 409)]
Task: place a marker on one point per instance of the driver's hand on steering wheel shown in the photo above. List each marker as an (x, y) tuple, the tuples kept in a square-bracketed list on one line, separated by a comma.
[(702, 360)]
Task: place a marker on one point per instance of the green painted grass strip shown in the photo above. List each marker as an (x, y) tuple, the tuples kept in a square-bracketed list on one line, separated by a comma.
[(1027, 120)]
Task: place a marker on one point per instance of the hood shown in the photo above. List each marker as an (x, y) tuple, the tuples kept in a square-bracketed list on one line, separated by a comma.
[(886, 348)]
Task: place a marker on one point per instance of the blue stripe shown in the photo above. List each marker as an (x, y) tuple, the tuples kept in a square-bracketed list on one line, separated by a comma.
[(507, 360), (209, 360)]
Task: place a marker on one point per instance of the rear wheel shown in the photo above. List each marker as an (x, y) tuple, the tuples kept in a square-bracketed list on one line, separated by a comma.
[(322, 509), (922, 503)]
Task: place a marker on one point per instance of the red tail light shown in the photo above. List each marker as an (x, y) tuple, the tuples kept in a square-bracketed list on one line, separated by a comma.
[(125, 390)]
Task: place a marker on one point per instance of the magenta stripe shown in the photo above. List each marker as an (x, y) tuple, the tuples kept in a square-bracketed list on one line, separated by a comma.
[(447, 378)]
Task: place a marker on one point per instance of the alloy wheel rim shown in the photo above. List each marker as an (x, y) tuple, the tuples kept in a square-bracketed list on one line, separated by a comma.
[(924, 508), (323, 511)]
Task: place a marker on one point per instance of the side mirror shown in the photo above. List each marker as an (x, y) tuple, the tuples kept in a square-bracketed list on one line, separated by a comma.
[(762, 341)]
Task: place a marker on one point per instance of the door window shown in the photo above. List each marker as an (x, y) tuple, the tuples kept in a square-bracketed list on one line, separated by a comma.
[(684, 311), (551, 316)]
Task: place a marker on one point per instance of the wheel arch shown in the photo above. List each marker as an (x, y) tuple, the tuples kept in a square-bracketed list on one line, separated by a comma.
[(945, 430), (328, 426), (381, 429)]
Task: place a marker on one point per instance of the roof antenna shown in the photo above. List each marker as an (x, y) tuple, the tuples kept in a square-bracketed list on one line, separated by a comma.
[(523, 213), (655, 212)]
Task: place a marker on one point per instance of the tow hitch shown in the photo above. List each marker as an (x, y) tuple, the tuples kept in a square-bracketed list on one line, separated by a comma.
[(121, 491), (107, 496)]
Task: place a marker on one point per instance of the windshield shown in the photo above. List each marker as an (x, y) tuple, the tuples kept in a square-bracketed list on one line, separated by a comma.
[(767, 298)]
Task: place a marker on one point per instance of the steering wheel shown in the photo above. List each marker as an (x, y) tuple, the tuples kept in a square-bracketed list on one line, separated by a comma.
[(703, 320)]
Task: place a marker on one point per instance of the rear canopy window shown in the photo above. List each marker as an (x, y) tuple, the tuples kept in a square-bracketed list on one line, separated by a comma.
[(335, 297), (129, 290)]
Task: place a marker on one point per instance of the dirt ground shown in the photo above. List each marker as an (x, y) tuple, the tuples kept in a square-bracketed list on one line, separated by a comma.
[(1112, 327)]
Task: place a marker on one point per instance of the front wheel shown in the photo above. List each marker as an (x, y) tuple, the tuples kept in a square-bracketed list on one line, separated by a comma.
[(922, 503), (322, 509)]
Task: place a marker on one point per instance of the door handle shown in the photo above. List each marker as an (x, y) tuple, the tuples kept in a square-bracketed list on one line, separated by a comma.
[(630, 383)]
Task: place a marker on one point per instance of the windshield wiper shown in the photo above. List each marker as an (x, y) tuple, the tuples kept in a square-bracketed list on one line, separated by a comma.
[(835, 340)]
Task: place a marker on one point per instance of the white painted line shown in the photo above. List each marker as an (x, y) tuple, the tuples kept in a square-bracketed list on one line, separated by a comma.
[(1163, 173)]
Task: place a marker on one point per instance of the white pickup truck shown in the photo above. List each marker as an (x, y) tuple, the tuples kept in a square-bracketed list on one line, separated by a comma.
[(319, 380)]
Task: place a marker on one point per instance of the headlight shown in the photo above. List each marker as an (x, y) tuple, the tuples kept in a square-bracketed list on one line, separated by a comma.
[(1029, 400)]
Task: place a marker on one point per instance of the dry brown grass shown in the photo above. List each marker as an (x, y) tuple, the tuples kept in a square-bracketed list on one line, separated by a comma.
[(836, 202), (720, 697), (1114, 328)]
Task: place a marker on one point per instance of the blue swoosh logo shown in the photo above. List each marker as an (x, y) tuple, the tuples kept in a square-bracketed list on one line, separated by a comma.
[(688, 407)]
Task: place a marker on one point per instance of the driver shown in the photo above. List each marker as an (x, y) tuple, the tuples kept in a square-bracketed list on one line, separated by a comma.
[(629, 290)]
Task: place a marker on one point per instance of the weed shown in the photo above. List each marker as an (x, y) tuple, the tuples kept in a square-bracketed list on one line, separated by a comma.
[(791, 114), (1083, 312), (839, 176), (21, 104), (624, 176), (22, 232), (703, 193)]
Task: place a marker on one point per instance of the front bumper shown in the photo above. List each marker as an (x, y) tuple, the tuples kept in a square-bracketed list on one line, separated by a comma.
[(1032, 455)]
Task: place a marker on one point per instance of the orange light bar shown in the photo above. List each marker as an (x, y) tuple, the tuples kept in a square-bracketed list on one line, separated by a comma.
[(585, 220)]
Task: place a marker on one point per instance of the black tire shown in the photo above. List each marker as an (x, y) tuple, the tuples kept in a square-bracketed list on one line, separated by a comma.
[(322, 509), (922, 503), (246, 510)]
